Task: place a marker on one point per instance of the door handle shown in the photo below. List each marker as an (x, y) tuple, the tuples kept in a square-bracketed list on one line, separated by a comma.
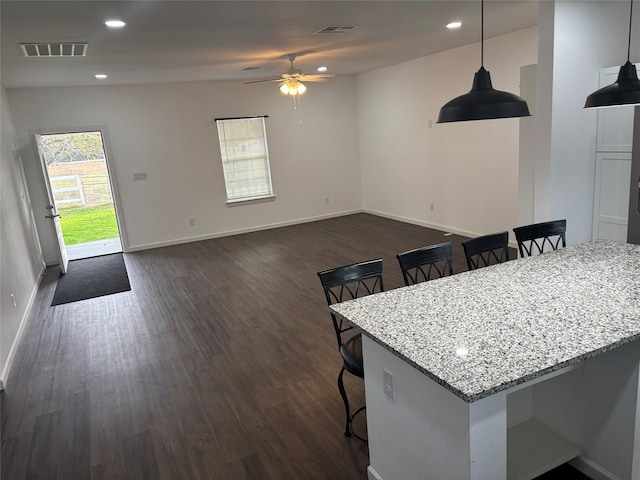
[(53, 215)]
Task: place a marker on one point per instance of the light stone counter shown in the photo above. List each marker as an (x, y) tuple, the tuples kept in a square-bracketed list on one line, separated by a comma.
[(478, 333)]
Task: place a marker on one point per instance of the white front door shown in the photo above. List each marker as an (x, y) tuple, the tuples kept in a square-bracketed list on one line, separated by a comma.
[(51, 211)]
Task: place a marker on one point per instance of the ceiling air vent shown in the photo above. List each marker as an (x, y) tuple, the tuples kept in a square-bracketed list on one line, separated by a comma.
[(335, 30), (54, 49)]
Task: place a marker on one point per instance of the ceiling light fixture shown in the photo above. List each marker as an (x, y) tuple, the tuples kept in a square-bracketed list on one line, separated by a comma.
[(483, 102), (100, 76), (114, 23), (454, 25), (625, 90), (295, 88), (322, 69)]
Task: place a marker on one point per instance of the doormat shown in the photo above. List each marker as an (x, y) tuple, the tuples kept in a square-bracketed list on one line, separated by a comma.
[(92, 277)]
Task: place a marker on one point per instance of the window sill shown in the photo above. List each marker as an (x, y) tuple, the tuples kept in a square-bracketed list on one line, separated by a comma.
[(250, 201)]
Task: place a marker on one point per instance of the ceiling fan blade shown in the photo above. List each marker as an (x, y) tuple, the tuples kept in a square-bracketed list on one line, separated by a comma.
[(322, 77), (274, 79)]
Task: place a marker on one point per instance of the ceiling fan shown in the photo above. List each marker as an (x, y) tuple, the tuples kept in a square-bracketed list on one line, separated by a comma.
[(291, 80)]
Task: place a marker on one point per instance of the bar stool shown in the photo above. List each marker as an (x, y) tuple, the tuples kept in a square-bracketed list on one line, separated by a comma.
[(535, 238), (486, 250), (425, 263), (341, 284)]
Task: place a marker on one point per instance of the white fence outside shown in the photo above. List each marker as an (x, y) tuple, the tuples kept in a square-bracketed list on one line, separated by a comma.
[(81, 189)]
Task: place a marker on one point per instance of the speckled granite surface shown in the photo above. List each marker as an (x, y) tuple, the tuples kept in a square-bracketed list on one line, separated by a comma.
[(477, 333)]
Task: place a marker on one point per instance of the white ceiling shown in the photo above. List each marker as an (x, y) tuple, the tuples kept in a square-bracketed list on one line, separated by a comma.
[(174, 41)]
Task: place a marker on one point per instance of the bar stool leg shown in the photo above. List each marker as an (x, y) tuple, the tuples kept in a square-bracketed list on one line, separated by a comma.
[(343, 393)]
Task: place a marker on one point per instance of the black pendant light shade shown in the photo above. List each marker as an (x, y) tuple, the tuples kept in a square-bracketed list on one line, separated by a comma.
[(625, 90), (483, 102)]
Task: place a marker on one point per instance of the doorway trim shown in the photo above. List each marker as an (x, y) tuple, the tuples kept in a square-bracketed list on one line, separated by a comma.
[(111, 170)]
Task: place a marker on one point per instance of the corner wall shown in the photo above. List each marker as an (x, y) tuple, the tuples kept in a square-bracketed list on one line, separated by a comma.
[(20, 258), (468, 171)]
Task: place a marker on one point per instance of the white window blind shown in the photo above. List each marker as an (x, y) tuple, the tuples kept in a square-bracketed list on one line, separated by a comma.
[(245, 158)]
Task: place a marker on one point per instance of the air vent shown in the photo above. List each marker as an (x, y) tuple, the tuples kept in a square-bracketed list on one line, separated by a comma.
[(54, 49), (335, 30)]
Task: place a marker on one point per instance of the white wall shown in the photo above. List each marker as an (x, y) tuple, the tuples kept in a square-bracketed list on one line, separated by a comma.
[(468, 170), (527, 139), (20, 256), (168, 132), (587, 36), (543, 120)]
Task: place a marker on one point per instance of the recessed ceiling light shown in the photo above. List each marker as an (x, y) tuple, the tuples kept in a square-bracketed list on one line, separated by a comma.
[(114, 23), (322, 69), (100, 76), (454, 25)]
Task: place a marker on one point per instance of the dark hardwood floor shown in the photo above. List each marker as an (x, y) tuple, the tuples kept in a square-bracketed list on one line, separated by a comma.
[(220, 363)]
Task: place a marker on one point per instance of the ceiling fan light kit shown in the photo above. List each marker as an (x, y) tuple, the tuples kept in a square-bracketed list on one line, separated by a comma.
[(625, 90), (293, 87), (483, 102), (291, 81)]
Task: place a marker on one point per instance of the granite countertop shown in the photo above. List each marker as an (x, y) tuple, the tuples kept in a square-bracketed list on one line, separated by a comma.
[(481, 332)]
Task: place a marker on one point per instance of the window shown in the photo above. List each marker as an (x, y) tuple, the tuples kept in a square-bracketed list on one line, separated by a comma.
[(245, 158)]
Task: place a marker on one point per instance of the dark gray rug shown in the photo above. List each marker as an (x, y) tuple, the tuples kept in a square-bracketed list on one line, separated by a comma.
[(92, 277)]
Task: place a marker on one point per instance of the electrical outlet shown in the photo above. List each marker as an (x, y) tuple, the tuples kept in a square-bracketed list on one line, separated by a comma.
[(387, 384), (192, 222), (326, 200), (431, 207)]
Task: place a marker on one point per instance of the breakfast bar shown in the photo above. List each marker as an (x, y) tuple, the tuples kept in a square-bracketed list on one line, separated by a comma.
[(506, 371)]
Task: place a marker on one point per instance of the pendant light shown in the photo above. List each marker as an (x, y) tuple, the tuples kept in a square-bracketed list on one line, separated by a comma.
[(625, 90), (483, 102)]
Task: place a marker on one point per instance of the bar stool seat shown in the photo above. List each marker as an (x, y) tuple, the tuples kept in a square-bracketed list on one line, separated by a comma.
[(351, 352)]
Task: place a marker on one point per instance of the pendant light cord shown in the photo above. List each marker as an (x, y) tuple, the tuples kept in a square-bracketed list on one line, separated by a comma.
[(630, 19), (482, 33)]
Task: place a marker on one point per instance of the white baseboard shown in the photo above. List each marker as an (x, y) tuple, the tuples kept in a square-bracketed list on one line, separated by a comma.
[(372, 474), (435, 226), (592, 469), (413, 221), (228, 233), (586, 466), (16, 341)]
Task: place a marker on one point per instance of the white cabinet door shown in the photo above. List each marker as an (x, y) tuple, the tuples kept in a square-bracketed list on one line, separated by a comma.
[(614, 143), (611, 196)]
